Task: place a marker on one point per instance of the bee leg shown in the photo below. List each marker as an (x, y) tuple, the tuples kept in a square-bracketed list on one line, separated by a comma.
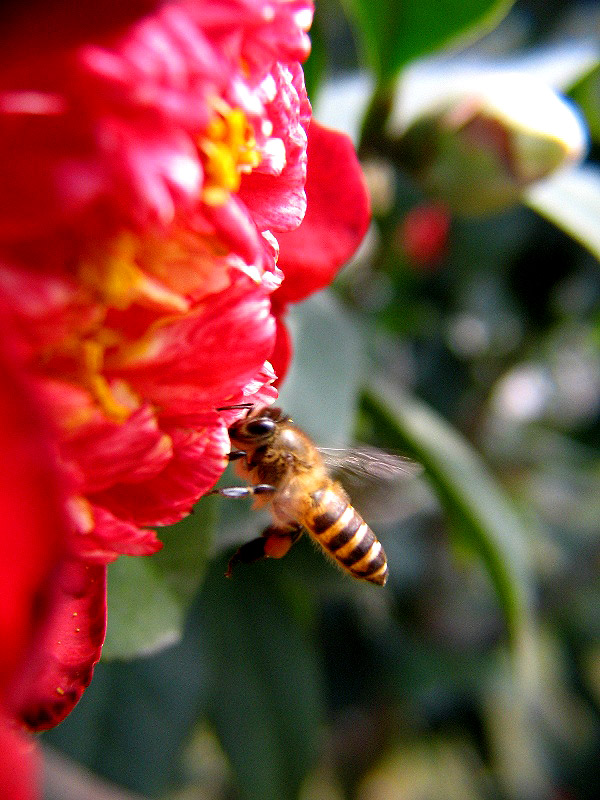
[(279, 538), (274, 542), (244, 491), (247, 554), (235, 454)]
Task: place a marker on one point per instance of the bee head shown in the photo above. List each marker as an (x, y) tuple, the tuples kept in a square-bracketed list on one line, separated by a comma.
[(257, 427)]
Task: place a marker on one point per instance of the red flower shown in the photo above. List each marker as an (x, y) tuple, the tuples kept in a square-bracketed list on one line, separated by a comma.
[(337, 217), (32, 539), (153, 167)]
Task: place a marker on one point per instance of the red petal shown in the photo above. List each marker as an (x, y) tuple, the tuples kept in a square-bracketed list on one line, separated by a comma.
[(203, 357), (63, 662), (275, 197), (337, 217), (108, 452), (19, 764), (111, 537), (33, 525), (37, 26), (199, 458)]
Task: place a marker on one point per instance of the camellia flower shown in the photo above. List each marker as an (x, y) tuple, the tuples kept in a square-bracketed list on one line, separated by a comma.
[(31, 548), (150, 168)]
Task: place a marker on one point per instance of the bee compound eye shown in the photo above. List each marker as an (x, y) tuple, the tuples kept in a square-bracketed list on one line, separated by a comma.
[(260, 427)]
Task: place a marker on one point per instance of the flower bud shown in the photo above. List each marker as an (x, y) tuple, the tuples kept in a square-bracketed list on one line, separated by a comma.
[(423, 236), (480, 147)]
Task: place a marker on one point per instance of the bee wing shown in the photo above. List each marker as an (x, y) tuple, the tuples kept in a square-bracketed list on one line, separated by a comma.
[(369, 465), (375, 480)]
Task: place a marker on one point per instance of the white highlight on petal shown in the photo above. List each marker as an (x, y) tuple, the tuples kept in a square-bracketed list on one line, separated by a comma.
[(268, 89), (304, 18), (185, 172), (273, 155)]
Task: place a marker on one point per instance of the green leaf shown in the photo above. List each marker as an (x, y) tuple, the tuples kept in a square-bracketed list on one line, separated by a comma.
[(148, 597), (571, 200), (394, 32), (184, 557), (586, 94), (481, 513), (326, 341), (135, 719), (143, 614), (264, 697), (314, 68)]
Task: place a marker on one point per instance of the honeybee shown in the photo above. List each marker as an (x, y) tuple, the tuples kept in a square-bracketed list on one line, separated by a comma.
[(290, 476)]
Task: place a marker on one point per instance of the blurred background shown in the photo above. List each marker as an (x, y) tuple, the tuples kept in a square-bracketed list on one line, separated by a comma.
[(466, 335)]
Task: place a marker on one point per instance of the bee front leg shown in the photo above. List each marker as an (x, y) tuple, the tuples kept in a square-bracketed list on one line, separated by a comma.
[(244, 491), (274, 542)]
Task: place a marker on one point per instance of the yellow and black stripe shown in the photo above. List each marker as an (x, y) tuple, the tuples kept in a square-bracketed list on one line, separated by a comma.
[(343, 533)]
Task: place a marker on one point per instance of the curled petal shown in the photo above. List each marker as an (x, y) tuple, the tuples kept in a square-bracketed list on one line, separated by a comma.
[(274, 191), (260, 390), (258, 32), (109, 452), (196, 361), (33, 525), (199, 458), (158, 171), (110, 537), (337, 217), (235, 228), (63, 662)]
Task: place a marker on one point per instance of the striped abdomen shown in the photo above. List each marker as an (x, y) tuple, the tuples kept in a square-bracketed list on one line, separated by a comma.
[(343, 533)]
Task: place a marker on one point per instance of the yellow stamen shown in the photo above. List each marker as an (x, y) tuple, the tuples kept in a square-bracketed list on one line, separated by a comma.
[(229, 150), (113, 273), (118, 275), (93, 362)]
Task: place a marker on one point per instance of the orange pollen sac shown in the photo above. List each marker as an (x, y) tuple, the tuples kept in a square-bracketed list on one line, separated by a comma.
[(228, 147), (277, 546)]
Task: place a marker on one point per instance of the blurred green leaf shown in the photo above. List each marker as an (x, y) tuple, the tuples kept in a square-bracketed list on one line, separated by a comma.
[(571, 200), (439, 768), (133, 721), (148, 597), (393, 32), (184, 556), (143, 613), (481, 514), (314, 68), (586, 94), (263, 687), (317, 393)]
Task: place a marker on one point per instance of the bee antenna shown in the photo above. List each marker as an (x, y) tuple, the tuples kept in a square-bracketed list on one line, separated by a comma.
[(237, 405)]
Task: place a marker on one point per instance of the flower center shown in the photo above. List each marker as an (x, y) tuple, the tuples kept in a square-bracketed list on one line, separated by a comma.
[(229, 150)]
